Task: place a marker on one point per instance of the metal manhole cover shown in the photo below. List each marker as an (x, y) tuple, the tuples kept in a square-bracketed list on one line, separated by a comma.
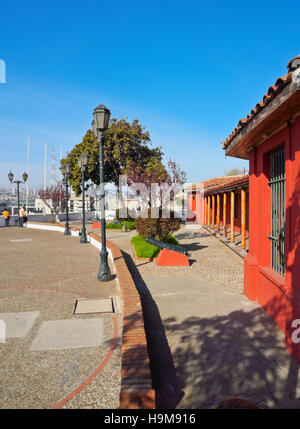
[(88, 306)]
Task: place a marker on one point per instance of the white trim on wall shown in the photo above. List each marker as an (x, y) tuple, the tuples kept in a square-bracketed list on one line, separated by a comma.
[(90, 239)]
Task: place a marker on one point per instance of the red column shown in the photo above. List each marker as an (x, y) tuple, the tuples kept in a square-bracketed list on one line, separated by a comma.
[(250, 260)]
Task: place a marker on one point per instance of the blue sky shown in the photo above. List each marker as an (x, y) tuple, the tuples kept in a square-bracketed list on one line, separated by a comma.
[(187, 70)]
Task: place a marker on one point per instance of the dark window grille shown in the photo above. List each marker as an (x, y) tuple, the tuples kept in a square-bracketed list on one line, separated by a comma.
[(236, 206), (277, 185)]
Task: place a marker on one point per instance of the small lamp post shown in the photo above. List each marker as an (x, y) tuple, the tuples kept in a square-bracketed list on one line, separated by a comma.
[(11, 179), (66, 170), (83, 162), (101, 116)]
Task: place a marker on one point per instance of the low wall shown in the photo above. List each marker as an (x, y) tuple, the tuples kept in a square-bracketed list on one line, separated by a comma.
[(136, 381), (39, 217)]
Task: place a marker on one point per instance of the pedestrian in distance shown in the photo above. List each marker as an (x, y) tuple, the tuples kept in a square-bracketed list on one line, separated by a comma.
[(22, 216), (6, 216)]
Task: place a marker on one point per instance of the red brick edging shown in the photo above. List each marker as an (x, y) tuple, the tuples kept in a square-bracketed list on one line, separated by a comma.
[(136, 380)]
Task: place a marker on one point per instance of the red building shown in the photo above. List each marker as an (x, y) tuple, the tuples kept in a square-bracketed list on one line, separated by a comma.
[(196, 194), (222, 205), (226, 209), (270, 139)]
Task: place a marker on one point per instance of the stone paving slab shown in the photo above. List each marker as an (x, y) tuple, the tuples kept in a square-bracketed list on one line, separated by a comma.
[(68, 334), (17, 325)]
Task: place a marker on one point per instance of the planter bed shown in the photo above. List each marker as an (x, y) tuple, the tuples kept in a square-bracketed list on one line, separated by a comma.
[(138, 258)]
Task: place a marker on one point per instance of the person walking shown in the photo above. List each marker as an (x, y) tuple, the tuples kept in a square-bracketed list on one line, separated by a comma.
[(22, 215), (6, 216)]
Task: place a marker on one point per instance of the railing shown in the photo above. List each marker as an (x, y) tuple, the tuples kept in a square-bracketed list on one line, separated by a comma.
[(277, 188)]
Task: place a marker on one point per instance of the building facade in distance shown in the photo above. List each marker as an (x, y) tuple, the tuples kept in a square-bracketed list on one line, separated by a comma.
[(222, 205)]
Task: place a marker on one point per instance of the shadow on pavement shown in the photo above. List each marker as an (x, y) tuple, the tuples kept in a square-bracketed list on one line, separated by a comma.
[(241, 354), (191, 235), (193, 247), (165, 382)]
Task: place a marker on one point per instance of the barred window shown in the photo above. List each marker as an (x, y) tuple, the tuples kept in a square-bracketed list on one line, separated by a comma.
[(277, 187), (193, 200), (236, 206)]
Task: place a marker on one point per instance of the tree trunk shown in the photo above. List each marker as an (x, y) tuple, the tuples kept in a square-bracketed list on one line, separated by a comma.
[(121, 204)]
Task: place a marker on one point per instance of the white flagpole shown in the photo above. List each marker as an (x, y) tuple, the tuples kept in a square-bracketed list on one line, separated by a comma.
[(60, 175), (27, 171), (45, 168)]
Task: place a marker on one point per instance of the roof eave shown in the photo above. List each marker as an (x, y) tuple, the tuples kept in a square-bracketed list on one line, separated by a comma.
[(228, 188), (273, 117), (241, 183)]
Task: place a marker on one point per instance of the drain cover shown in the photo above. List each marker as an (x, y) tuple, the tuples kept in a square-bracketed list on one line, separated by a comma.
[(88, 306)]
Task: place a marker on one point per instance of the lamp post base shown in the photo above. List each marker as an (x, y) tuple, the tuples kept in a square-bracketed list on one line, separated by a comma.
[(83, 238), (67, 231), (104, 274)]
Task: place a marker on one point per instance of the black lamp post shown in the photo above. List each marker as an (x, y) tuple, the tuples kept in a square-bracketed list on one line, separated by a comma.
[(100, 124), (83, 162), (11, 179), (66, 170)]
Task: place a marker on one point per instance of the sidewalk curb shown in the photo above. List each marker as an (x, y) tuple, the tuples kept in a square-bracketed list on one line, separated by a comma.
[(136, 380)]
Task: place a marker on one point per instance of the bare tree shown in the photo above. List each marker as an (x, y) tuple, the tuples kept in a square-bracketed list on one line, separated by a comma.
[(54, 197), (169, 181), (236, 172), (176, 175)]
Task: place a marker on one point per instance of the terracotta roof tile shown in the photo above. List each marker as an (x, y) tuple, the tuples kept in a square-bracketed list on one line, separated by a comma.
[(219, 181), (272, 92), (240, 180), (294, 63), (216, 181)]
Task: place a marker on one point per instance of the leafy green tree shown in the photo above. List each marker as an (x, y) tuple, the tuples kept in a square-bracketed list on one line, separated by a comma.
[(126, 144)]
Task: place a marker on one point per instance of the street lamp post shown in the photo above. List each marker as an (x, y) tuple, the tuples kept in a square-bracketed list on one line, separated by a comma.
[(11, 179), (101, 116), (66, 170), (83, 162)]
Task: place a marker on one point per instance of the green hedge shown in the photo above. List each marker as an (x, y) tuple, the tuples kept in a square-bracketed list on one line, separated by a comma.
[(147, 250), (157, 227), (129, 225)]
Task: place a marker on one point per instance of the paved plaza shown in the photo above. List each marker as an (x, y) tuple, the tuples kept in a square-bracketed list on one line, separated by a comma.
[(52, 357), (207, 341)]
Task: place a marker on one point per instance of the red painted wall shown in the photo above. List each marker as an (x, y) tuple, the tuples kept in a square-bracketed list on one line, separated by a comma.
[(195, 203), (278, 295)]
